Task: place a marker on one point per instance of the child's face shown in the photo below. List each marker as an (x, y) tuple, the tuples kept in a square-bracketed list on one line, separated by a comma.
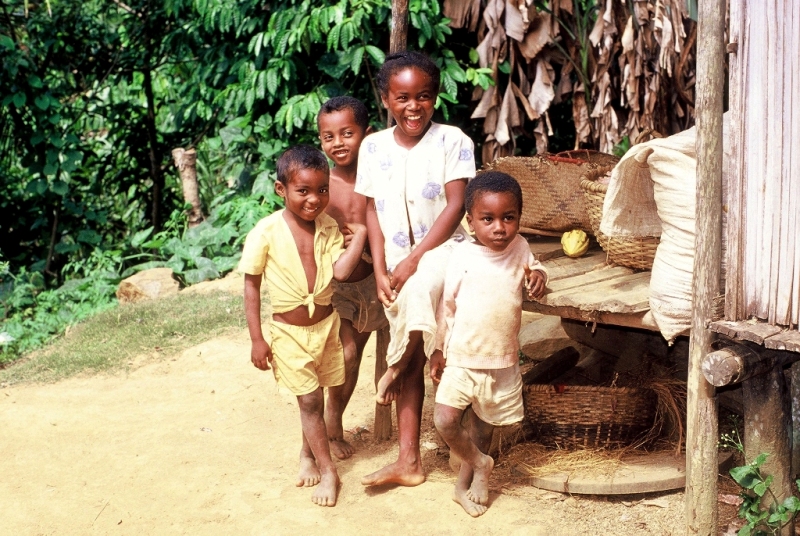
[(410, 100), (340, 136), (494, 219), (306, 193)]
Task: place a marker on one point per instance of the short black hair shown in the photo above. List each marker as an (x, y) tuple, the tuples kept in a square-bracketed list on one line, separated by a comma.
[(300, 157), (345, 102), (399, 61), (493, 182)]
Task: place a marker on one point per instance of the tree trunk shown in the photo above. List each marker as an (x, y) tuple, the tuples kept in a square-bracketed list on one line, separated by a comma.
[(156, 176), (186, 162), (399, 36)]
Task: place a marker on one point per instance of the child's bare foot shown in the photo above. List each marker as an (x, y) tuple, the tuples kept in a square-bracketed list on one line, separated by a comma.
[(327, 491), (472, 508), (387, 390), (396, 473), (309, 473), (340, 448), (478, 492)]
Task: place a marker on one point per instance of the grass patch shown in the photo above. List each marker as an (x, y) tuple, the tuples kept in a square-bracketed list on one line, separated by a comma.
[(113, 338)]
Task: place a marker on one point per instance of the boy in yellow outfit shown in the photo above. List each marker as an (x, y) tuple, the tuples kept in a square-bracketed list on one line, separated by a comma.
[(299, 250)]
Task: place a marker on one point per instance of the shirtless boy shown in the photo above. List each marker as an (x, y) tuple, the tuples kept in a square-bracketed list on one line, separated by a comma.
[(343, 122), (298, 251)]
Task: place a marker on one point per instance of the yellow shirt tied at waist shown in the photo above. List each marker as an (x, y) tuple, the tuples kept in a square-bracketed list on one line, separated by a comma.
[(270, 249)]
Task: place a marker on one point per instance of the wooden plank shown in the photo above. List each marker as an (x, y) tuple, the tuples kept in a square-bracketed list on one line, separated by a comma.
[(785, 340), (641, 320), (589, 278), (545, 247), (734, 281), (568, 267), (625, 294), (745, 330)]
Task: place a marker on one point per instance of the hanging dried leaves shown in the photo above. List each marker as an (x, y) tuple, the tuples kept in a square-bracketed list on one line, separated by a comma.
[(628, 67)]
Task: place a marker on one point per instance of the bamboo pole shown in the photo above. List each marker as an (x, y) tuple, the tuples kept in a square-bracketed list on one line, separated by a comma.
[(398, 38), (701, 437)]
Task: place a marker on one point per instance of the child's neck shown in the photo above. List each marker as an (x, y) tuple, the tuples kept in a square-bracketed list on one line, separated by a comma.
[(293, 220), (408, 142), (345, 173)]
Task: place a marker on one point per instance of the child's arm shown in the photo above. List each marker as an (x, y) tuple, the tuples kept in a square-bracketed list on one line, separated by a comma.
[(376, 245), (260, 351), (348, 261), (441, 230)]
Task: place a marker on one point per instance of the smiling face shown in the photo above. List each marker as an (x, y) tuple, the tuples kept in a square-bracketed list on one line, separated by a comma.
[(494, 219), (306, 193), (340, 136), (410, 99)]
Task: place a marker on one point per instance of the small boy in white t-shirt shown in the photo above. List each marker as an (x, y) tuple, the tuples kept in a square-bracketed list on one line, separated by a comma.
[(481, 311)]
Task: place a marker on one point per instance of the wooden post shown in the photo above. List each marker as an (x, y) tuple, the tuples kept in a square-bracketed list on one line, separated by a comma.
[(767, 429), (398, 38), (794, 388), (383, 414), (701, 434)]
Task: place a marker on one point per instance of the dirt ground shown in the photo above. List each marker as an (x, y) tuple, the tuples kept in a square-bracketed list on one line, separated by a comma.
[(203, 443)]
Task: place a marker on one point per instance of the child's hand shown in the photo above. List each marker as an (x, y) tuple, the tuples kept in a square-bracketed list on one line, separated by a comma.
[(261, 354), (405, 269), (534, 283), (356, 228), (384, 288), (436, 366)]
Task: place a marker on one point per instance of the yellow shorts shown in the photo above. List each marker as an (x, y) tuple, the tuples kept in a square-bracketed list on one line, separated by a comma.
[(495, 394), (307, 357)]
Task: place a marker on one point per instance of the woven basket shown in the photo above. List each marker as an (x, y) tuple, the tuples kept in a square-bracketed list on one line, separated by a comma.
[(552, 199), (575, 416), (635, 252)]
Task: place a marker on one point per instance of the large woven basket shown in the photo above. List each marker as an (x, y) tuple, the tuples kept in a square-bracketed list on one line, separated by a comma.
[(552, 199), (635, 252), (575, 416)]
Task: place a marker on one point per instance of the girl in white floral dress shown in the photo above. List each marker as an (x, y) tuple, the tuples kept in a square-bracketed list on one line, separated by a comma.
[(413, 175)]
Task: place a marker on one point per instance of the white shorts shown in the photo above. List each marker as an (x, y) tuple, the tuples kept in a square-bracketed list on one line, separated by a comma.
[(495, 394)]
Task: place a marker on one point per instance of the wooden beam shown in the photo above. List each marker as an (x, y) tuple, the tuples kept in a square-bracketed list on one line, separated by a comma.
[(739, 362), (702, 435), (642, 320)]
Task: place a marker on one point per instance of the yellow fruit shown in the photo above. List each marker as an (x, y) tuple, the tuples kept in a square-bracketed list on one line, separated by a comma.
[(574, 243)]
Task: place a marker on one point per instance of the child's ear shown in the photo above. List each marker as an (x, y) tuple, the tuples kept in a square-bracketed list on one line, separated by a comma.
[(280, 189), (383, 101), (469, 222)]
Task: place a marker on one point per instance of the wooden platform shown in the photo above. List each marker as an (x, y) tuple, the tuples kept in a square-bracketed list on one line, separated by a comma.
[(588, 289), (767, 335), (637, 473)]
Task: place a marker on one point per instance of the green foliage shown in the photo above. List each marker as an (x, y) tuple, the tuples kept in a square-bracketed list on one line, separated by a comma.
[(96, 94), (760, 521)]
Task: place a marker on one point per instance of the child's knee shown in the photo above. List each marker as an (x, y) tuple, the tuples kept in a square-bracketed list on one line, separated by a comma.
[(312, 403), (447, 420)]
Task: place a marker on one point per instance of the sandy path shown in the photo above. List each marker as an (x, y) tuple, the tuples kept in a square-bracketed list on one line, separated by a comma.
[(204, 444)]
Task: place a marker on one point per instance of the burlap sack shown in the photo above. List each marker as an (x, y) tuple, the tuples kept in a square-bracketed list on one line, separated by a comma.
[(667, 168)]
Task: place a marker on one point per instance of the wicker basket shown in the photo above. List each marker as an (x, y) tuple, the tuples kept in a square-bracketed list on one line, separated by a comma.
[(574, 416), (635, 252)]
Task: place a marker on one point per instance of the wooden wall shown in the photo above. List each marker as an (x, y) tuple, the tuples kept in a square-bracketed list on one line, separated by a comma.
[(763, 255)]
